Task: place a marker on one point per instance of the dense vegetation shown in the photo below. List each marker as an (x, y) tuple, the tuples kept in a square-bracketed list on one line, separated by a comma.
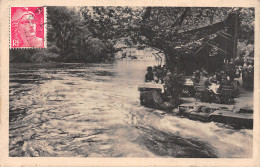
[(88, 34)]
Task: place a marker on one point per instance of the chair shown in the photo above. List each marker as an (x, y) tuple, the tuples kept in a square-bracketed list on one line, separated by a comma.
[(226, 96)]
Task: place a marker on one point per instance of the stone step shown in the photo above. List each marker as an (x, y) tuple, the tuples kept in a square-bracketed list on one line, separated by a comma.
[(237, 119)]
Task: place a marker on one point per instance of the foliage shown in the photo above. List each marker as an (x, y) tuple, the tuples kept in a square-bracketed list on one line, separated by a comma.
[(113, 22), (33, 56), (247, 21), (166, 28), (21, 55), (44, 55), (164, 24), (245, 45), (69, 40), (88, 34), (62, 29)]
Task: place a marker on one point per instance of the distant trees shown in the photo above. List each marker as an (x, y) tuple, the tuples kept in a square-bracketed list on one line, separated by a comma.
[(112, 22), (77, 39), (63, 26)]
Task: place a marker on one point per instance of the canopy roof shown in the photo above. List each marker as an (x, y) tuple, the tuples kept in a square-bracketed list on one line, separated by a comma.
[(218, 35)]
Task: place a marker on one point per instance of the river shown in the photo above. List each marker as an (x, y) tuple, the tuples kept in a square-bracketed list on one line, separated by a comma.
[(93, 110)]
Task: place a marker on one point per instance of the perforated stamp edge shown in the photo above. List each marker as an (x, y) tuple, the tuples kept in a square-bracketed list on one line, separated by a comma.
[(45, 29)]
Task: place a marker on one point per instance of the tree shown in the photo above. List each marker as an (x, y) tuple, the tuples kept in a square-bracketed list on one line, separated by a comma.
[(74, 33), (63, 25), (112, 22)]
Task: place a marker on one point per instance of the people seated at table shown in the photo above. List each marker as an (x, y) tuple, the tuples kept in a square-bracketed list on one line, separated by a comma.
[(225, 82), (197, 76), (230, 70), (203, 81), (158, 74), (218, 75), (149, 76)]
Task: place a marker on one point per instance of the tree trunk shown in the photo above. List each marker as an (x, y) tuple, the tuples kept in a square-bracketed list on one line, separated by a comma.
[(234, 54)]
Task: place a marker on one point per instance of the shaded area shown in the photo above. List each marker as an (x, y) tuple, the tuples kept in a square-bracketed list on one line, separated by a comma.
[(165, 144)]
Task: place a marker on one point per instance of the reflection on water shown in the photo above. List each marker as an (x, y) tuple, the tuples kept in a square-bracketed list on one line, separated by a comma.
[(93, 110)]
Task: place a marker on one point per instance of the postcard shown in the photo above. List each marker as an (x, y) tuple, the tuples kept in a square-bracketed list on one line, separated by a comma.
[(129, 83)]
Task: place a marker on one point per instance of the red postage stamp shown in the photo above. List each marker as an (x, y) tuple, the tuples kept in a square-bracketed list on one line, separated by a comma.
[(27, 27)]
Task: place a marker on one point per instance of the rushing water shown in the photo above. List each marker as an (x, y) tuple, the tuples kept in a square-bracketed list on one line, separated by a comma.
[(93, 110)]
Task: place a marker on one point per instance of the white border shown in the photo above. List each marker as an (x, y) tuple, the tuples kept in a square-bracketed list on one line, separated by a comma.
[(165, 162)]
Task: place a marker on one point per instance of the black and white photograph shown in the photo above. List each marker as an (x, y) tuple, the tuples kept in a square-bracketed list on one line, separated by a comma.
[(134, 82)]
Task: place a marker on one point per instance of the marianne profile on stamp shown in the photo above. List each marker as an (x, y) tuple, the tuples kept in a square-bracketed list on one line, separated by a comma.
[(24, 28)]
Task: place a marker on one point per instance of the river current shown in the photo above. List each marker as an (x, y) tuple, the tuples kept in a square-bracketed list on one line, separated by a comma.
[(93, 110)]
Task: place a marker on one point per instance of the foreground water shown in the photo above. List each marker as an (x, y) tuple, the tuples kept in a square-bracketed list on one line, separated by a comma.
[(93, 110)]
